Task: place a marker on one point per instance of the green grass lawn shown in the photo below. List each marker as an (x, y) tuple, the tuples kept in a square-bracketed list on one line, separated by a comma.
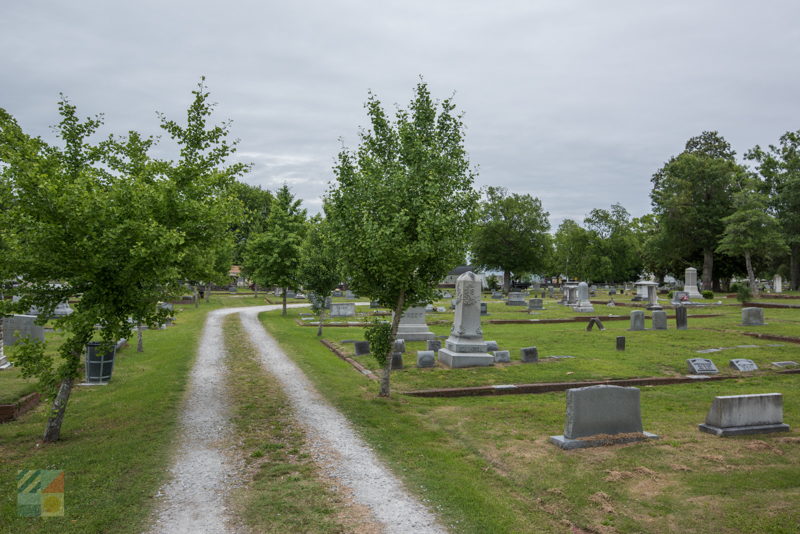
[(484, 463), (116, 439)]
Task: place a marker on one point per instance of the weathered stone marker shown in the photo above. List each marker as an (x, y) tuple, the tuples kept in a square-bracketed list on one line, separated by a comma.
[(484, 309), (426, 358), (16, 327), (702, 366), (397, 360), (343, 309), (492, 346), (535, 304), (529, 355), (361, 347), (603, 411), (583, 305), (659, 320), (734, 415), (777, 284), (465, 346), (637, 320), (681, 318), (434, 344), (515, 298), (753, 317), (620, 342), (690, 283), (743, 364), (412, 326), (595, 321), (501, 356), (399, 345)]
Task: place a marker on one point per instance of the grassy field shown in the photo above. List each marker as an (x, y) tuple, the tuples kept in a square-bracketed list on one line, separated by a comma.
[(485, 465), (116, 439)]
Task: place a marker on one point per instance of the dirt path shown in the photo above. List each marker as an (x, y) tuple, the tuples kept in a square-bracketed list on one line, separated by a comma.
[(193, 501)]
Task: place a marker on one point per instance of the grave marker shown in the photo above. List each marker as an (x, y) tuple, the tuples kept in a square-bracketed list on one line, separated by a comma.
[(743, 364), (735, 415), (702, 366)]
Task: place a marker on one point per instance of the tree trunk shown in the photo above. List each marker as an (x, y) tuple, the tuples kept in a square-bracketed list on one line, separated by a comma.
[(506, 282), (708, 269), (255, 289), (196, 296), (140, 340), (284, 301), (794, 267), (2, 343), (321, 317), (53, 429), (387, 369), (751, 276)]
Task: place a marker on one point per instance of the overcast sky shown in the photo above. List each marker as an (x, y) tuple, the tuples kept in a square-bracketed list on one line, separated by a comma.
[(574, 102)]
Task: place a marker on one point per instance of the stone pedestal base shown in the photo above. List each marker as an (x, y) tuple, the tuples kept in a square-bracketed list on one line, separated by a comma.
[(742, 430), (456, 360), (582, 308), (415, 335), (569, 444)]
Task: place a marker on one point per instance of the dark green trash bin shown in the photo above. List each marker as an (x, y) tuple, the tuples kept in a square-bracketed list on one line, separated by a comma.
[(99, 362)]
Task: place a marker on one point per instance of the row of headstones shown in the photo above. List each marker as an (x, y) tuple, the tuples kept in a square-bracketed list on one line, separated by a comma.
[(427, 358), (608, 411), (750, 317), (704, 366)]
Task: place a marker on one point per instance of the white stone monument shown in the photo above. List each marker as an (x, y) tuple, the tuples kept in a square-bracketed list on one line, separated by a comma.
[(690, 283), (583, 305), (777, 284), (641, 291), (465, 347), (412, 326)]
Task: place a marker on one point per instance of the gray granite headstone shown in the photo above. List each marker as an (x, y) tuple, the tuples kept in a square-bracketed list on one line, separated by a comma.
[(702, 366), (637, 320), (465, 346), (681, 318), (361, 348), (595, 321), (426, 358), (529, 355), (620, 342), (484, 309), (603, 411), (434, 344), (659, 320), (515, 298), (412, 326), (492, 346), (753, 317), (785, 364), (501, 356), (743, 364), (343, 309), (16, 327), (583, 305), (735, 415), (535, 304), (399, 345), (497, 295), (397, 360)]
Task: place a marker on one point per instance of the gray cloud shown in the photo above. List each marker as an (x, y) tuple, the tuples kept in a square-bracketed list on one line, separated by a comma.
[(576, 102)]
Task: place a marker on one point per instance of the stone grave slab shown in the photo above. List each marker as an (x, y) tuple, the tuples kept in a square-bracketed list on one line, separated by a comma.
[(701, 366), (735, 415), (343, 309), (743, 364), (426, 358)]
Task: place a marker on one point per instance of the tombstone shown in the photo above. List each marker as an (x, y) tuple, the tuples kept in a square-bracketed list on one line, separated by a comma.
[(680, 298), (551, 292), (24, 325), (441, 309), (602, 411), (743, 364), (497, 295), (595, 321), (659, 320), (637, 320), (611, 304), (641, 291), (529, 355), (343, 309), (429, 307), (337, 293), (233, 289), (612, 291), (681, 318), (447, 295), (434, 344), (426, 358), (620, 342), (753, 317), (328, 303), (501, 356), (349, 294), (571, 295), (785, 364), (484, 309), (515, 298), (535, 304), (690, 283), (583, 305), (399, 345), (777, 284), (412, 325), (361, 347), (652, 295), (465, 346), (492, 346), (291, 294), (397, 361), (702, 366), (736, 415)]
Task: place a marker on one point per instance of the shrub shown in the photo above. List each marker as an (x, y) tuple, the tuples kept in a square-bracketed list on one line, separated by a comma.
[(708, 295), (743, 293)]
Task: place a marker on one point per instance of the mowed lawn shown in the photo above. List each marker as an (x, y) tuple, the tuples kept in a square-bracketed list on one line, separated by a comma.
[(485, 465)]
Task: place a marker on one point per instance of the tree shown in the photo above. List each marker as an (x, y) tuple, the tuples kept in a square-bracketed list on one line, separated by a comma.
[(780, 168), (750, 231), (569, 257), (615, 248), (273, 256), (403, 206), (693, 192), (256, 204), (511, 234), (319, 265)]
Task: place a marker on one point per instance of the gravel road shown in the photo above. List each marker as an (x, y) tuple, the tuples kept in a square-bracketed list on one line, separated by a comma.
[(193, 500)]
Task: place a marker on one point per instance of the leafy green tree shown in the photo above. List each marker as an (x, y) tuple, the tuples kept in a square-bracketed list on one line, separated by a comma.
[(511, 234), (273, 256), (403, 206), (571, 241), (256, 204), (751, 231), (616, 246), (691, 195), (780, 168), (319, 265)]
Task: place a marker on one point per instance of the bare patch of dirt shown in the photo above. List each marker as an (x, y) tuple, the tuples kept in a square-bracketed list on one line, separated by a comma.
[(759, 445), (603, 500)]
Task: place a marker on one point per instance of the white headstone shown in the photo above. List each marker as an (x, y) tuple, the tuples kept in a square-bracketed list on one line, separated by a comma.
[(690, 283), (583, 305), (412, 325), (465, 347), (778, 283), (343, 309)]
